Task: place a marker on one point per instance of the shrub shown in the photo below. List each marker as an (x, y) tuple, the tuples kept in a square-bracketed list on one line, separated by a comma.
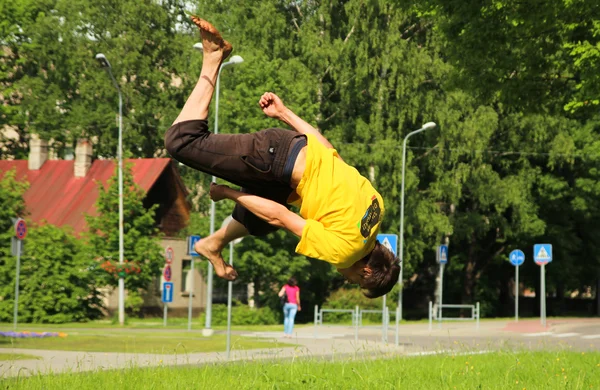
[(242, 315)]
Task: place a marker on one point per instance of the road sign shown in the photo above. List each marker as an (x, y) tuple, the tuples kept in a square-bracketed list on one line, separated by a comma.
[(167, 273), (542, 253), (169, 255), (20, 229), (442, 254), (516, 257), (389, 241), (167, 292), (191, 241)]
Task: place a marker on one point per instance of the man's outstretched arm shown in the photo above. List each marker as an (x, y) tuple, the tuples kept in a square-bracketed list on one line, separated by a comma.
[(272, 212), (273, 107)]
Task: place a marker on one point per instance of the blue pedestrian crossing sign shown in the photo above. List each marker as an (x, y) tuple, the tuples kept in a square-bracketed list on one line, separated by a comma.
[(516, 257), (442, 254), (192, 240), (167, 292), (542, 253), (389, 241)]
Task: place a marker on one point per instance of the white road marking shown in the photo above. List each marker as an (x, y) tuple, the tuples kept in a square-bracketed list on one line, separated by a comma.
[(537, 334), (591, 336), (564, 335)]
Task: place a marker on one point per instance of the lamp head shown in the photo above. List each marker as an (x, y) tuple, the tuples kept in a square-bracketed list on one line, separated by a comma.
[(236, 60), (198, 46), (103, 61), (429, 125)]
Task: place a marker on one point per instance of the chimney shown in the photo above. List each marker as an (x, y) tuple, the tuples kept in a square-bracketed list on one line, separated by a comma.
[(83, 157), (38, 152)]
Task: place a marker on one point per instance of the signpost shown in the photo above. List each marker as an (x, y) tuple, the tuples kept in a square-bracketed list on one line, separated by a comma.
[(167, 273), (167, 297), (542, 255), (516, 257), (20, 233), (442, 258), (169, 254), (390, 241), (192, 240)]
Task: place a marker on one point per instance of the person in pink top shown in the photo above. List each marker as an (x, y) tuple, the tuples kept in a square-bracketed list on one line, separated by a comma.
[(291, 306)]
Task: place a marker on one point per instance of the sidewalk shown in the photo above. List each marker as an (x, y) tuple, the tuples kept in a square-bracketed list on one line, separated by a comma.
[(307, 347)]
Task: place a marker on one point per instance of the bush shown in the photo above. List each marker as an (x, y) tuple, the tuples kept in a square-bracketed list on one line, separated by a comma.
[(242, 315), (350, 297)]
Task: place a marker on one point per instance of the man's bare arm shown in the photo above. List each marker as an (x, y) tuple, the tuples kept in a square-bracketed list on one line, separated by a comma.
[(273, 107), (272, 212), (301, 126)]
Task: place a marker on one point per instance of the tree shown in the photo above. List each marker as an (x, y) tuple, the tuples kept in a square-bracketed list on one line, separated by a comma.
[(56, 283), (143, 256)]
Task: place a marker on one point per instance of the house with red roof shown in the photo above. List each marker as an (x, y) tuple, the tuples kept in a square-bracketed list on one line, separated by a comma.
[(63, 192)]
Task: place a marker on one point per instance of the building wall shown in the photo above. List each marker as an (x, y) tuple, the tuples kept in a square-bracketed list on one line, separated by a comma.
[(181, 279)]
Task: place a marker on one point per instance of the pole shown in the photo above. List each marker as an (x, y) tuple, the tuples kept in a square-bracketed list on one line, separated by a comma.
[(165, 315), (441, 293), (356, 324), (16, 309), (516, 293), (383, 325), (543, 295), (121, 233), (209, 279), (429, 125), (191, 297), (430, 314), (397, 324), (316, 320), (229, 294)]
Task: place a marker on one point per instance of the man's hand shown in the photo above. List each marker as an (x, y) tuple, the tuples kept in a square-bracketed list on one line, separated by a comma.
[(271, 105), (218, 192)]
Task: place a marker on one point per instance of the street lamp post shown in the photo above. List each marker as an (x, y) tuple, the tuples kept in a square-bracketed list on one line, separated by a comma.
[(207, 331), (106, 65), (197, 46), (426, 126)]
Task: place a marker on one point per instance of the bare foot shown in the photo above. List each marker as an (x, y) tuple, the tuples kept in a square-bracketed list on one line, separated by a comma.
[(222, 269), (212, 41)]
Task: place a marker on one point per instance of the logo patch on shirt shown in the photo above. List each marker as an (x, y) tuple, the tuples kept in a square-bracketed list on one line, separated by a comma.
[(371, 217)]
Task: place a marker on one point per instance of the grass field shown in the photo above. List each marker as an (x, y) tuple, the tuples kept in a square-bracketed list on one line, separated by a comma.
[(16, 356), (528, 370), (149, 323), (138, 342)]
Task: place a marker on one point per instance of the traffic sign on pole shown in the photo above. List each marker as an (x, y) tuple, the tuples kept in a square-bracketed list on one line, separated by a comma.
[(167, 292), (192, 240), (167, 273), (20, 229), (516, 257), (442, 254), (389, 241), (542, 253), (169, 255)]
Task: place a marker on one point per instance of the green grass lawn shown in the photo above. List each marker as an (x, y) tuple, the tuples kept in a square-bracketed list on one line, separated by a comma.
[(147, 323), (529, 370), (16, 356), (138, 342)]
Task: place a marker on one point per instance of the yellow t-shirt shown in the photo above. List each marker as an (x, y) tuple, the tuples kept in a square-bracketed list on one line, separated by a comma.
[(342, 209)]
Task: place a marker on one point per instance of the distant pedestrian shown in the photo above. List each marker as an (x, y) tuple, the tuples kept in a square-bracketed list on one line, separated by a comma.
[(291, 293)]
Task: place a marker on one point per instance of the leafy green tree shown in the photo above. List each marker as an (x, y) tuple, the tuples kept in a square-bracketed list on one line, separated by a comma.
[(57, 282), (143, 257)]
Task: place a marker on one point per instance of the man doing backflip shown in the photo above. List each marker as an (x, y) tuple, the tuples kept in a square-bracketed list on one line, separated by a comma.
[(340, 212)]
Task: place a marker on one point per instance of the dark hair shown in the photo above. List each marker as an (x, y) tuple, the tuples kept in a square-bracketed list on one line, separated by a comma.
[(292, 281), (385, 269)]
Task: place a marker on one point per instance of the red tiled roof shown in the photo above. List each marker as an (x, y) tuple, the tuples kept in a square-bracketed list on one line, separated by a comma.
[(57, 197)]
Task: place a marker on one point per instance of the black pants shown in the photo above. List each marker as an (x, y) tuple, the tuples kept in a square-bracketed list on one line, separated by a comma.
[(256, 162)]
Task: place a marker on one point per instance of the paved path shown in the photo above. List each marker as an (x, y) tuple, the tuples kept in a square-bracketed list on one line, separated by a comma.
[(331, 342)]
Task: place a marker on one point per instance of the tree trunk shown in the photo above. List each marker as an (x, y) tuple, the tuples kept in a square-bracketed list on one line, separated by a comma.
[(469, 277)]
